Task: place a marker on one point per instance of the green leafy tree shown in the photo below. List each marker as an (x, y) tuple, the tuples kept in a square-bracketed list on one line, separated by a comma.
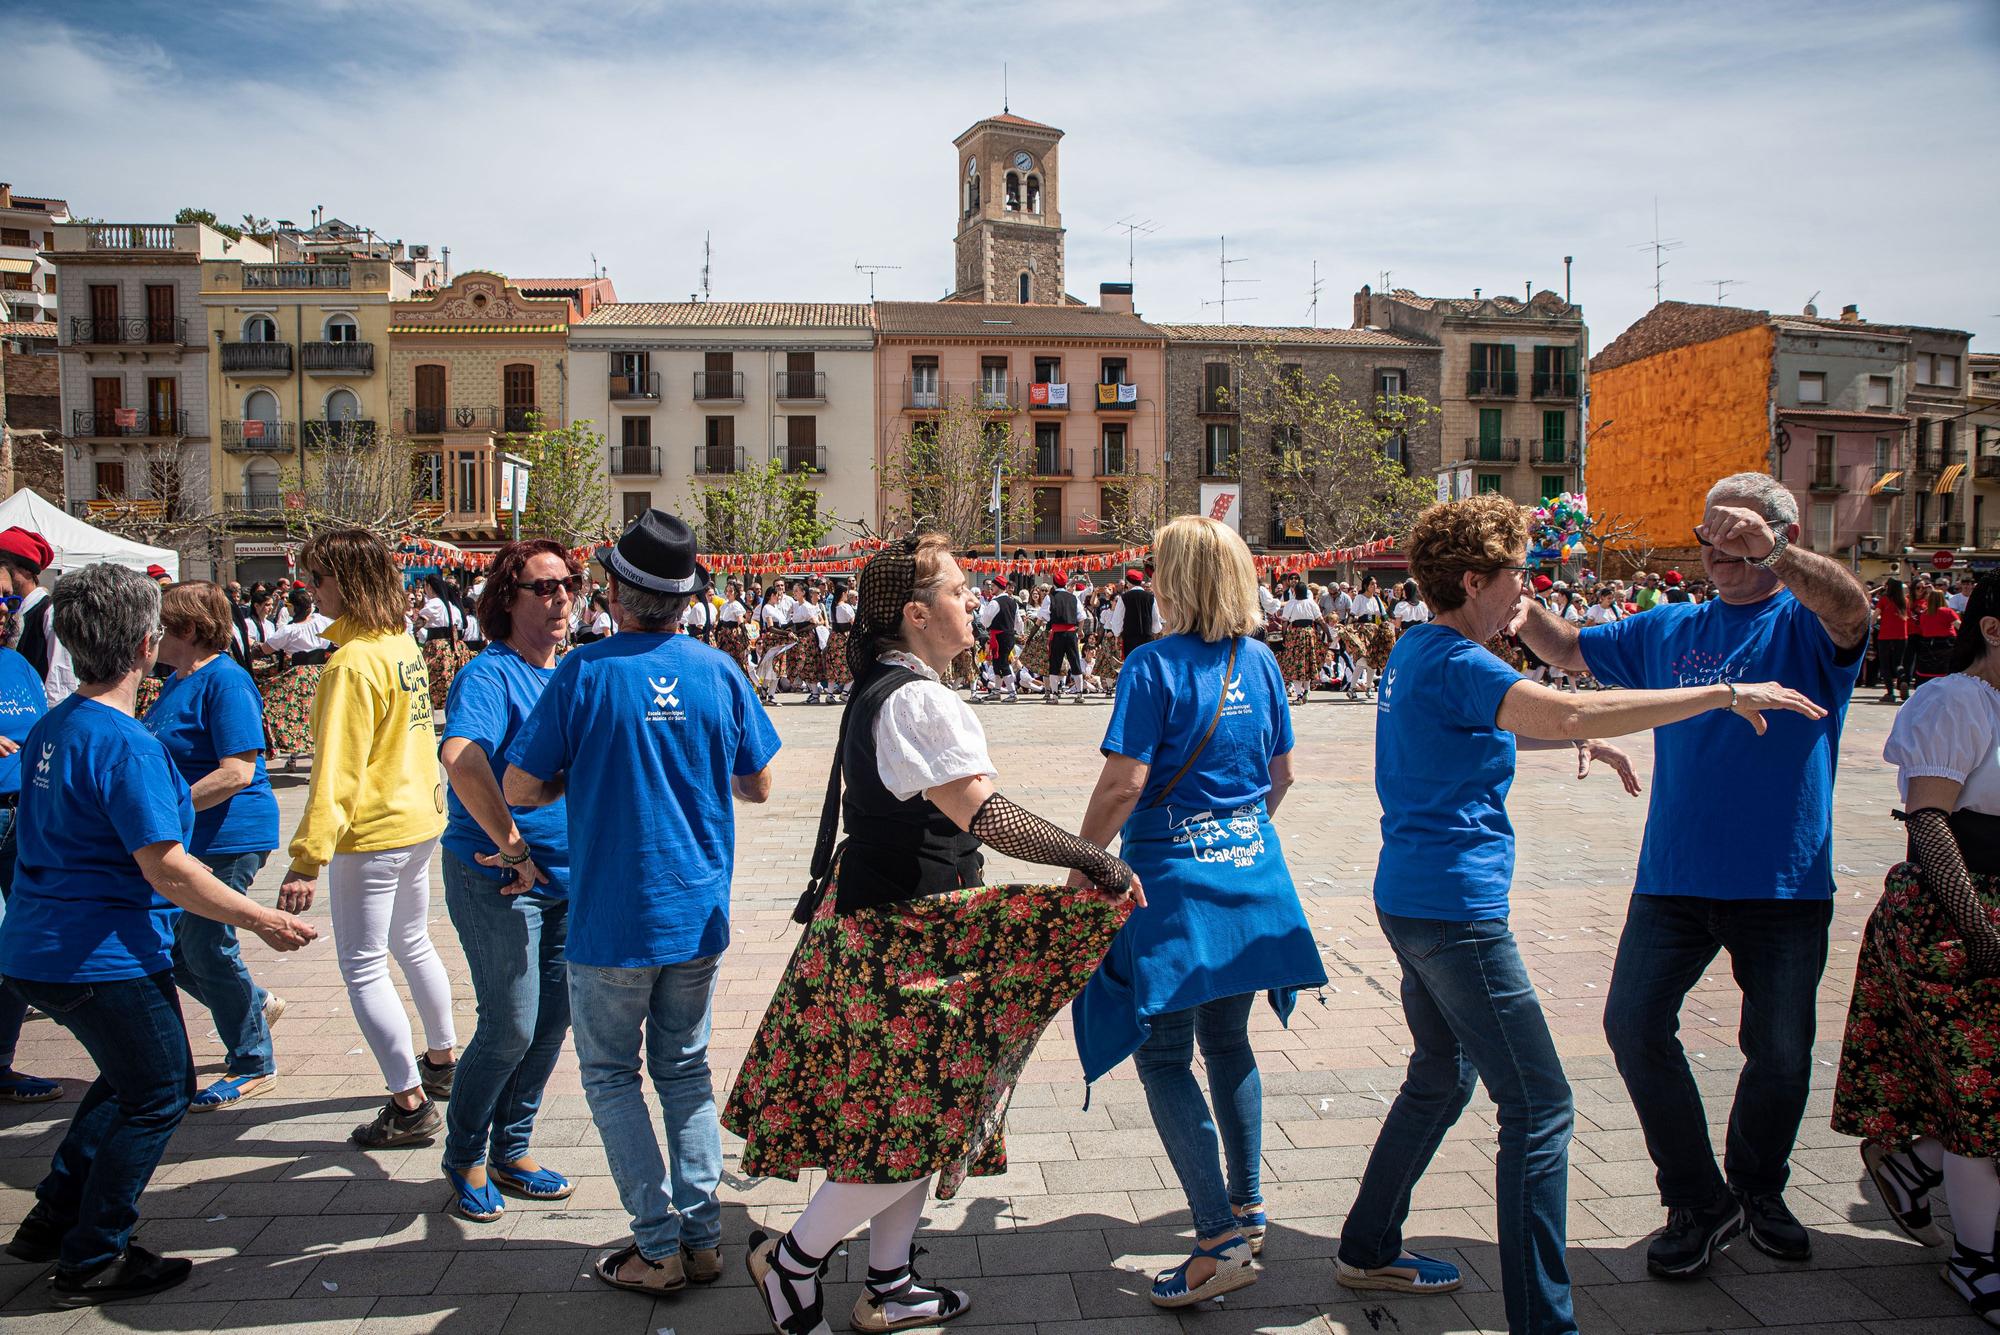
[(569, 499), (1326, 456), (208, 216), (940, 475), (763, 509)]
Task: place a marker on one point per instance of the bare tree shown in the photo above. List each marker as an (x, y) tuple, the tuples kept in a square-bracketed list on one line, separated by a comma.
[(165, 502), (1330, 471), (1133, 510), (941, 474), (568, 497), (354, 479)]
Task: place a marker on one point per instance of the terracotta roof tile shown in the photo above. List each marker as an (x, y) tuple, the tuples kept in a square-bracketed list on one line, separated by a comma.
[(1247, 333), (28, 329), (1009, 118), (734, 314), (1675, 324), (966, 319)]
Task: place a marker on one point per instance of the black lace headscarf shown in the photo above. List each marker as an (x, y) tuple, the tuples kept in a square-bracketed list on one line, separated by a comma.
[(887, 582)]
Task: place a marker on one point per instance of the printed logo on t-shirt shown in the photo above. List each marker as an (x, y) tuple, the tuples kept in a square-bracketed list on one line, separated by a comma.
[(42, 767), (1382, 693), (666, 704), (1237, 839), (416, 684), (1697, 667), (1234, 699)]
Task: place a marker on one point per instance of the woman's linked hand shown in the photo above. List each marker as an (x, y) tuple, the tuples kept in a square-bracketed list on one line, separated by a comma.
[(1754, 698), (526, 874), (296, 894), (282, 931), (1610, 755)]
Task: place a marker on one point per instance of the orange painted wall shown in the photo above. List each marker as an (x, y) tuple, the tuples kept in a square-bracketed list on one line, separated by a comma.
[(1677, 421)]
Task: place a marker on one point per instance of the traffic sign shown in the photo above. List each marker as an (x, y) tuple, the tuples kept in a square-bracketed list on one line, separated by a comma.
[(1941, 560)]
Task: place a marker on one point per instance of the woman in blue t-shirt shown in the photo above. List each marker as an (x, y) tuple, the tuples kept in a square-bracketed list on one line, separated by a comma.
[(506, 886), (1446, 731), (210, 718), (1197, 757), (23, 700)]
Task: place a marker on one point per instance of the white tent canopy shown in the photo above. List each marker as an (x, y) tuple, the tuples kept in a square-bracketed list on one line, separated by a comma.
[(76, 543)]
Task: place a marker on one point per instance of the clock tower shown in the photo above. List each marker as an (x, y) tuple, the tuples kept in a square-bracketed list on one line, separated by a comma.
[(1010, 235)]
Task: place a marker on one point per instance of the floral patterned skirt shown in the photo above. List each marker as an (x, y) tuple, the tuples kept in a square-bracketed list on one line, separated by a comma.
[(1922, 1051), (149, 695), (833, 663), (1301, 654), (891, 1047), (964, 669), (1110, 657), (1035, 651), (802, 664), (288, 698), (442, 659)]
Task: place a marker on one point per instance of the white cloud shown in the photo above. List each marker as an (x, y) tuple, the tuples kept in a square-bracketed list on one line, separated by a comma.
[(1835, 147)]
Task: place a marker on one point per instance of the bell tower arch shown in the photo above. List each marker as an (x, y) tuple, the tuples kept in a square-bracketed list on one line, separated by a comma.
[(1010, 233)]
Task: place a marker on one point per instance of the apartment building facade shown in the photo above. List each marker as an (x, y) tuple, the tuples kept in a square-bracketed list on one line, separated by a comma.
[(28, 284), (1216, 376), (689, 394), (1982, 433), (1511, 384)]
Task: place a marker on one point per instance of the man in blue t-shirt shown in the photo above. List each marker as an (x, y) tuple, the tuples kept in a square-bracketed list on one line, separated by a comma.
[(1738, 856), (649, 733)]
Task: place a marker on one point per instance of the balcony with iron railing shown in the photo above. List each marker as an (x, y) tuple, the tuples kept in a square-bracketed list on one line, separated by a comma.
[(717, 460), (1554, 385), (996, 394), (635, 461), (435, 421), (1112, 397), (253, 502), (1825, 478), (351, 433), (257, 358), (1990, 539), (137, 422), (1553, 453), (1986, 465), (256, 436), (1216, 400), (517, 418), (1928, 459), (122, 507), (643, 387), (1048, 396), (1054, 461), (1493, 449), (296, 276), (1492, 384), (140, 331), (801, 386), (803, 458), (718, 387), (1885, 481), (925, 394), (1946, 533), (337, 358), (1118, 461)]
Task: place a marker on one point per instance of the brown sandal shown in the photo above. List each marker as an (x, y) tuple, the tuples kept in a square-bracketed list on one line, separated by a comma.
[(668, 1276)]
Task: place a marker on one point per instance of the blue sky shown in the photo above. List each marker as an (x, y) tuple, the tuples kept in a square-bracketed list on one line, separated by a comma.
[(1839, 148)]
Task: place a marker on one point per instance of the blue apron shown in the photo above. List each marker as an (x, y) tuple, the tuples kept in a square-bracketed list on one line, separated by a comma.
[(1221, 919)]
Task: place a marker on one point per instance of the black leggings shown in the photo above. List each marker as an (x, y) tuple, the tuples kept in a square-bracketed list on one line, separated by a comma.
[(1064, 656), (1894, 658)]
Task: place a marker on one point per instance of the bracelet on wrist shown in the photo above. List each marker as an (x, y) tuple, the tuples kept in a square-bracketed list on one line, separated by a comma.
[(510, 860), (1732, 693)]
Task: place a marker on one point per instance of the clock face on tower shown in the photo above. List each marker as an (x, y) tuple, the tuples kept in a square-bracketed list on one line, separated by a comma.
[(1022, 162)]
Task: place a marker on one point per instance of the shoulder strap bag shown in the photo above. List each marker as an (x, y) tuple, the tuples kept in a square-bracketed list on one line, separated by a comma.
[(1221, 696)]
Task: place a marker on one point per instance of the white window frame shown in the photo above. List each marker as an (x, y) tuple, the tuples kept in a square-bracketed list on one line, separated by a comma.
[(253, 321), (1887, 387), (1824, 520), (344, 321), (1817, 379)]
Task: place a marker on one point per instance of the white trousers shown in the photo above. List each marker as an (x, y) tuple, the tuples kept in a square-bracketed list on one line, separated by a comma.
[(380, 903)]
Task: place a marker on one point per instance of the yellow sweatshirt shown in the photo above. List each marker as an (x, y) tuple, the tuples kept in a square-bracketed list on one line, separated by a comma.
[(375, 781)]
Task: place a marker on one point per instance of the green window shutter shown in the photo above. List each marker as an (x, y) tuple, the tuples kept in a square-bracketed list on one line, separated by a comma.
[(1552, 487), (1506, 359), (1489, 484)]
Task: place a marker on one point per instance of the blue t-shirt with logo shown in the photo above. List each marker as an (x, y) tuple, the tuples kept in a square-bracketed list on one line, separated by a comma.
[(1443, 765), (1167, 694), (200, 718), (1735, 815), (491, 697), (23, 700), (96, 787), (649, 728)]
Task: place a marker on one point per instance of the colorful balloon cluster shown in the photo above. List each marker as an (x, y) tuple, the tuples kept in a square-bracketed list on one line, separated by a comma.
[(1558, 530)]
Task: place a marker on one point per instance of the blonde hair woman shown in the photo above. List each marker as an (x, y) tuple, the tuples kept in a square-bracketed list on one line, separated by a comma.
[(1197, 757), (373, 816)]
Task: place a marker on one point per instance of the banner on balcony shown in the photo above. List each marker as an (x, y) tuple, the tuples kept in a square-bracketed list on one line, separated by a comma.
[(1038, 395), (253, 430), (1086, 524), (126, 418), (1058, 395), (1223, 500), (1107, 393)]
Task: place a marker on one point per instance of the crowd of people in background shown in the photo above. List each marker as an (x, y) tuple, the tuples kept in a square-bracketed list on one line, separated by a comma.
[(467, 709)]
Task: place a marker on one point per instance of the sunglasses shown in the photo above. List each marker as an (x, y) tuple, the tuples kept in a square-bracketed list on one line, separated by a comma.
[(1720, 560), (546, 588)]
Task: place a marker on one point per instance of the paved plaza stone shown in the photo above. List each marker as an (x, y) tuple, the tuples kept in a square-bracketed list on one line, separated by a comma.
[(291, 1226)]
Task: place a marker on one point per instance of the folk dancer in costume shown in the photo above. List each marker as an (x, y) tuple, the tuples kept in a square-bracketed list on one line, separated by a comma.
[(1000, 619), (1131, 620), (1035, 638), (825, 1080), (1065, 657), (774, 638), (699, 619), (838, 674), (1303, 650), (1918, 1062), (730, 625), (442, 621), (807, 620), (300, 649)]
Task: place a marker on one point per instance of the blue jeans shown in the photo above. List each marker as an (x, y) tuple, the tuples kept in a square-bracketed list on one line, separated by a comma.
[(209, 968), (514, 947), (133, 1031), (1181, 1114), (669, 1004), (13, 1010), (1473, 1015), (1777, 952)]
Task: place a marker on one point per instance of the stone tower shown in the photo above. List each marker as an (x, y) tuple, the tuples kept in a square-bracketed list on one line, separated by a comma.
[(1010, 235)]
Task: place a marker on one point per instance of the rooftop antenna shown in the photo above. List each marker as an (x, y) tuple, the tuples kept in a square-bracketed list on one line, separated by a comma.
[(1659, 246), (1316, 285), (1225, 281), (1006, 107), (706, 254), (1133, 228), (1722, 285), (1385, 282), (871, 270)]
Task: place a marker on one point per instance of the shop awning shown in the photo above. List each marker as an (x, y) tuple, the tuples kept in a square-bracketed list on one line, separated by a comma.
[(1948, 479), (9, 265), (1886, 480)]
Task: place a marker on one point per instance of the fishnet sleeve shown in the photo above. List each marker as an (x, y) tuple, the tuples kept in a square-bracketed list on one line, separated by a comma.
[(1006, 828), (1946, 879)]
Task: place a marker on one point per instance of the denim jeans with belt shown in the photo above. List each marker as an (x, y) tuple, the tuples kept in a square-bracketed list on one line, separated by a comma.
[(1181, 1115), (133, 1032), (1777, 952), (514, 948), (209, 967), (666, 1005), (1473, 1016)]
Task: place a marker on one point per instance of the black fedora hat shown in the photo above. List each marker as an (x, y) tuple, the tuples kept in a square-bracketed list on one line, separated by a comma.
[(656, 553)]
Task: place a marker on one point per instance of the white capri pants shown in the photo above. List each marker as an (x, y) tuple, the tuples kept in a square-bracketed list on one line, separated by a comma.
[(379, 903)]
